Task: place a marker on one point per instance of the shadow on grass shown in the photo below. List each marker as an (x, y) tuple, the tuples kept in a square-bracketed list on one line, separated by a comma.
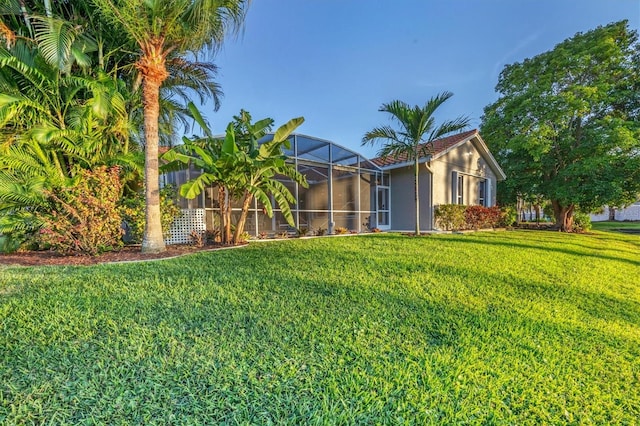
[(264, 343), (485, 241)]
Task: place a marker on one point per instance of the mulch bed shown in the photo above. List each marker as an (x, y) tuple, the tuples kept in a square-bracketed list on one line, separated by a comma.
[(127, 254)]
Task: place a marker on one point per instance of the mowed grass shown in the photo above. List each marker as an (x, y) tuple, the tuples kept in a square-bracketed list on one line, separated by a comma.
[(519, 327), (612, 226)]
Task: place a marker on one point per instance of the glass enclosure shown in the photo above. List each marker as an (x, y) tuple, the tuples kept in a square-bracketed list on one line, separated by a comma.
[(345, 190)]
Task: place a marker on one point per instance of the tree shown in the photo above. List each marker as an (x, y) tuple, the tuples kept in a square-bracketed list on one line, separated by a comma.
[(415, 137), (167, 30), (242, 165), (566, 124), (260, 165)]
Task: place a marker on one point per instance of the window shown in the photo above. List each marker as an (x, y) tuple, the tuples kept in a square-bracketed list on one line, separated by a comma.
[(482, 193), (460, 190)]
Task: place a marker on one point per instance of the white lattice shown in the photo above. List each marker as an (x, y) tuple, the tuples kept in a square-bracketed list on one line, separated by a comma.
[(191, 220)]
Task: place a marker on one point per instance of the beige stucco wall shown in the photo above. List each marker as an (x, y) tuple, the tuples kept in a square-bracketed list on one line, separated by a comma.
[(467, 161)]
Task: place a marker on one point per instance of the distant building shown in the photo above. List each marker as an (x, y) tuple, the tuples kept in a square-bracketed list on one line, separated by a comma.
[(631, 212)]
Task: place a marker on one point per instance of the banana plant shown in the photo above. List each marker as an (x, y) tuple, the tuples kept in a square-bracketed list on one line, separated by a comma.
[(241, 167)]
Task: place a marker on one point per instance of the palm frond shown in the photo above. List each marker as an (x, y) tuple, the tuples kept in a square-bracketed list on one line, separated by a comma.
[(188, 78)]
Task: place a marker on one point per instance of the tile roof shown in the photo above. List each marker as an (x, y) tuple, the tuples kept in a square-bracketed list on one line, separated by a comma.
[(439, 145)]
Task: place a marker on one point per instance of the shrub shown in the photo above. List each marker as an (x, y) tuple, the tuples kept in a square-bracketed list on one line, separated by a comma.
[(197, 238), (450, 216), (244, 237), (321, 231), (340, 230), (479, 217), (84, 216), (508, 216), (581, 222), (454, 217), (133, 213)]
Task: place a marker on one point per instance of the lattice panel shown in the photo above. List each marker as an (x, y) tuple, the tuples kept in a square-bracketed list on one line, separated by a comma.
[(191, 220)]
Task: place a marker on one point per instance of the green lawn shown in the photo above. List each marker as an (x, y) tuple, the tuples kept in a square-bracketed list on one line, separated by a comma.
[(608, 226), (521, 327)]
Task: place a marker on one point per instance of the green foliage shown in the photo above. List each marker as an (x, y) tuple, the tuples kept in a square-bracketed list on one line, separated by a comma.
[(415, 136), (83, 216), (52, 126), (456, 217), (241, 167), (581, 222), (480, 217), (132, 211), (566, 126), (509, 216), (450, 216), (166, 33), (519, 327)]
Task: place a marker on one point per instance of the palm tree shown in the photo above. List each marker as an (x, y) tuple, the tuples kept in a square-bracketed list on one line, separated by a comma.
[(166, 30), (414, 139)]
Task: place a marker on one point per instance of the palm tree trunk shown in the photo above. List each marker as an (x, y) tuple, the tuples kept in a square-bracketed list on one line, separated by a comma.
[(417, 195), (25, 16), (243, 217), (152, 241)]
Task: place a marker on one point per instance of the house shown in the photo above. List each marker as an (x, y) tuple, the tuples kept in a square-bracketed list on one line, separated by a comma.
[(458, 170), (349, 191)]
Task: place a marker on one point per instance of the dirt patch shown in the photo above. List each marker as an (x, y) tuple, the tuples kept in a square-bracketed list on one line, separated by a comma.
[(127, 254)]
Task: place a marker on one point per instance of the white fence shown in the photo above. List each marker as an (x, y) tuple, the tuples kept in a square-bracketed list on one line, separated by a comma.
[(191, 220), (629, 213)]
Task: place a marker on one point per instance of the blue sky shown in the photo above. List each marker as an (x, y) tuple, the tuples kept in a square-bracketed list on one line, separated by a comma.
[(336, 61)]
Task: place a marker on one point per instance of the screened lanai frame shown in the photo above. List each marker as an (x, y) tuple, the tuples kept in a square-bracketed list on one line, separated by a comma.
[(345, 190)]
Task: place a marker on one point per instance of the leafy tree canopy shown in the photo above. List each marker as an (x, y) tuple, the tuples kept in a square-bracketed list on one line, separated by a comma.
[(565, 126)]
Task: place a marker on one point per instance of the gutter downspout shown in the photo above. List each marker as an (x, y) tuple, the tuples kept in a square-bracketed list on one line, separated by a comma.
[(427, 165)]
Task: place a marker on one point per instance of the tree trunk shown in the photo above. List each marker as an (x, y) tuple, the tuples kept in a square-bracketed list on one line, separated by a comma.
[(417, 195), (563, 216), (154, 73), (248, 197), (223, 217), (227, 217)]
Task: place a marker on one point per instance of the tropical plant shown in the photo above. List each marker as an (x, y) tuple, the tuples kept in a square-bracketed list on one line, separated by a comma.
[(414, 139), (51, 127), (241, 166), (261, 166), (166, 30)]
